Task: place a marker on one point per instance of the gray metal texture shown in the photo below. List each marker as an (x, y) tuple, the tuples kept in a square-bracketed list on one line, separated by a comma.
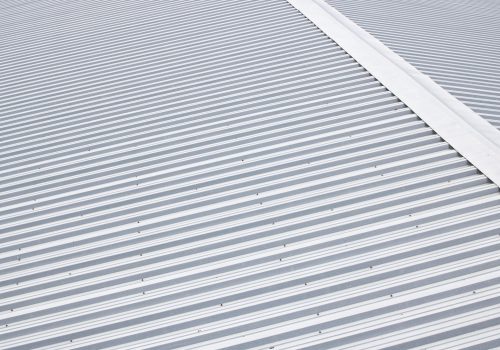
[(454, 42), (220, 174)]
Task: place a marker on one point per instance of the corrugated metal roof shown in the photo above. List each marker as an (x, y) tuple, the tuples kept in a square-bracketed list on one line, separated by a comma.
[(220, 174), (454, 42)]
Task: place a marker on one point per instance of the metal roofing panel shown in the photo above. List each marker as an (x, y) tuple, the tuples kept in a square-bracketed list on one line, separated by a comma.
[(454, 42), (220, 174), (472, 136)]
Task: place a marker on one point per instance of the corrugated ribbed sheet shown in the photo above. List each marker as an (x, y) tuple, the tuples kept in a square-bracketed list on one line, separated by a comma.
[(220, 174), (454, 42)]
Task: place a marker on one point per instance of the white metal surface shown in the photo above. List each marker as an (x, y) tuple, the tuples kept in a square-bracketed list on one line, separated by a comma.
[(454, 42), (220, 174), (465, 130)]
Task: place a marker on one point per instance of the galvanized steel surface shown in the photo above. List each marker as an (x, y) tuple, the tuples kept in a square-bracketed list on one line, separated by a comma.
[(220, 174), (454, 42)]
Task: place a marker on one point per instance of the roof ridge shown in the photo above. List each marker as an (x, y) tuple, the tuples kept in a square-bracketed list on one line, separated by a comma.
[(462, 128)]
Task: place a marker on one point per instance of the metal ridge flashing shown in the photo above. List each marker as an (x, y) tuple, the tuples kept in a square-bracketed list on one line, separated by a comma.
[(467, 132)]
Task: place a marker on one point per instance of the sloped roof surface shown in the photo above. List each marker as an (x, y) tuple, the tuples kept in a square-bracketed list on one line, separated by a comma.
[(454, 42), (220, 174)]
